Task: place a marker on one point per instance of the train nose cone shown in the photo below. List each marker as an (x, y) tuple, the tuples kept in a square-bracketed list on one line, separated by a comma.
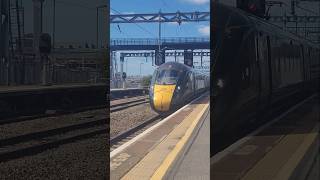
[(162, 96)]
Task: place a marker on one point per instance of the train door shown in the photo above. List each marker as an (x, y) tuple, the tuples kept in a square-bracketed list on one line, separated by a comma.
[(264, 63)]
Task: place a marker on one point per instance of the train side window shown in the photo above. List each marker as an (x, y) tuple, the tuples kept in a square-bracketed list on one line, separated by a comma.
[(279, 59), (245, 72), (246, 66), (289, 63), (285, 68), (190, 81), (291, 56), (245, 77), (257, 48)]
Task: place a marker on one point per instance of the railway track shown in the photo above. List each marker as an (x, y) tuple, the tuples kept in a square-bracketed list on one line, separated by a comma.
[(44, 115), (37, 142), (125, 136), (128, 104), (113, 108)]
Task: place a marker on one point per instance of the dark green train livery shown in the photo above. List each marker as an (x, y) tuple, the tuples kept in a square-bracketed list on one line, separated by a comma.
[(258, 69)]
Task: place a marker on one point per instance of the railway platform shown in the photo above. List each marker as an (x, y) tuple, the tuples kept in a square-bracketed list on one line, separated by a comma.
[(128, 92), (285, 148), (23, 89), (36, 99), (194, 163), (163, 150)]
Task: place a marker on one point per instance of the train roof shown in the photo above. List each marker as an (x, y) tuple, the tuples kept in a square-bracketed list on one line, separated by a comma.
[(180, 66), (244, 19), (174, 65)]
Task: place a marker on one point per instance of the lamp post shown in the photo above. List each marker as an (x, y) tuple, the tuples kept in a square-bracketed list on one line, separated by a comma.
[(140, 68), (175, 53)]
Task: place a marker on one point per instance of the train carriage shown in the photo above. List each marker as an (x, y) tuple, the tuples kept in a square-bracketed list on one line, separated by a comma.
[(173, 85), (258, 70)]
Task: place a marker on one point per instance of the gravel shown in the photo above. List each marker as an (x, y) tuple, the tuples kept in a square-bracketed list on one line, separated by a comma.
[(85, 159), (124, 100), (82, 159), (41, 124), (125, 119)]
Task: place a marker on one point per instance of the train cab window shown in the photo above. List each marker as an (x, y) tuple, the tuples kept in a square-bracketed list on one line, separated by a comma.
[(155, 74), (167, 77)]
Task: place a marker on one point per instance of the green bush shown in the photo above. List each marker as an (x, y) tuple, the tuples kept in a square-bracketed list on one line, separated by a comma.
[(146, 80)]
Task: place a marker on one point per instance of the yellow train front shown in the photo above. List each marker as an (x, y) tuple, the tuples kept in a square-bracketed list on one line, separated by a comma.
[(173, 85)]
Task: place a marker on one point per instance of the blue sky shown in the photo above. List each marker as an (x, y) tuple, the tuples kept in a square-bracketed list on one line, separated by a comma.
[(153, 6), (196, 29)]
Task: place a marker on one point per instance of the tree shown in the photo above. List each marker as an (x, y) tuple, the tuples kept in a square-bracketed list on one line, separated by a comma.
[(146, 80)]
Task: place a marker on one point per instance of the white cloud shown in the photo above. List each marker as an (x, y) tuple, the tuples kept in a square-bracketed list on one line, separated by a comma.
[(130, 12), (204, 30), (199, 2), (176, 23)]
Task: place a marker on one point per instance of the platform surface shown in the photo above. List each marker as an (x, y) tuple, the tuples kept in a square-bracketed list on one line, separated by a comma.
[(282, 150), (195, 163), (127, 89), (33, 87), (28, 88), (151, 155), (314, 172)]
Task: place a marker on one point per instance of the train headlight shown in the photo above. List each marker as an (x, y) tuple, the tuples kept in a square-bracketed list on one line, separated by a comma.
[(220, 83)]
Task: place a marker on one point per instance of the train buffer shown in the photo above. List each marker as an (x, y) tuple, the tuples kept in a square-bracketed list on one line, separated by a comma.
[(166, 149), (286, 148)]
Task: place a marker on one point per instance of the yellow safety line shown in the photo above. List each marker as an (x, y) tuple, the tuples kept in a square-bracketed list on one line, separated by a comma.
[(163, 168), (287, 169)]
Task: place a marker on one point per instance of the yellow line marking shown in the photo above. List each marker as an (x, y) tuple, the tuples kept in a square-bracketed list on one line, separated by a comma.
[(216, 158), (284, 167), (293, 162), (163, 168)]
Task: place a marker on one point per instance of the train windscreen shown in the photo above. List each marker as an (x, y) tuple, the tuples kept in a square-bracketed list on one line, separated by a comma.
[(167, 77)]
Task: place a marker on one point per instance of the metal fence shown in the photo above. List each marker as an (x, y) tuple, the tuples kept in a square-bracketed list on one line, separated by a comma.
[(33, 72), (152, 41)]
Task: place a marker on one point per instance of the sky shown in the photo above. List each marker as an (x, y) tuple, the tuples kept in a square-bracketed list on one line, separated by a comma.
[(150, 30)]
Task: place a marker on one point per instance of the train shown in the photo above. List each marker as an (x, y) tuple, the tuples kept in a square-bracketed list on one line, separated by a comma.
[(173, 85), (258, 70)]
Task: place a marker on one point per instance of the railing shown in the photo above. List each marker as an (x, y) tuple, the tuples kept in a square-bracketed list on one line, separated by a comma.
[(152, 41)]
